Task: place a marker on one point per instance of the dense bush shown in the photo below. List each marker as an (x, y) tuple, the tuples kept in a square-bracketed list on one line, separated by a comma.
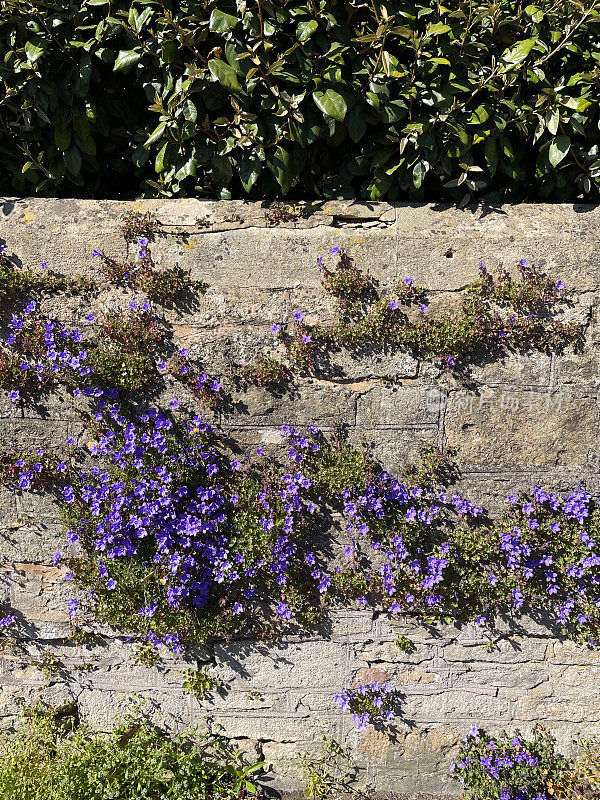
[(53, 758), (356, 99)]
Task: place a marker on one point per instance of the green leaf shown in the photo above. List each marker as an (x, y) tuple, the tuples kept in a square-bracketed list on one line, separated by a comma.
[(143, 18), (559, 147), (87, 145), (249, 170), (221, 170), (126, 58), (159, 162), (306, 29), (515, 55), (62, 137), (189, 111), (420, 169), (82, 82), (332, 104), (357, 125), (491, 154), (33, 52), (437, 29), (286, 166), (73, 160), (225, 74), (82, 126), (156, 134), (171, 52), (222, 22)]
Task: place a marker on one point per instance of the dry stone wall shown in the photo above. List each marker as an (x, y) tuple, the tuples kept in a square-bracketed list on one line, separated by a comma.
[(521, 420)]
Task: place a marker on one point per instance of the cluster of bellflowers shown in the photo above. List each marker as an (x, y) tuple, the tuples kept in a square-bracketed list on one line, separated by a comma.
[(368, 704), (37, 353), (417, 549), (507, 766), (180, 540)]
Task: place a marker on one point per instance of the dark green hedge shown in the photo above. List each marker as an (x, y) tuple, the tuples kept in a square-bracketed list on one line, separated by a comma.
[(421, 101)]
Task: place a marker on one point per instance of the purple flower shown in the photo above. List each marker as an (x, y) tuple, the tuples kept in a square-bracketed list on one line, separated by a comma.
[(45, 264), (72, 605), (298, 316), (423, 309), (275, 327), (89, 318), (334, 250), (282, 611), (394, 305), (13, 395), (408, 281), (174, 404)]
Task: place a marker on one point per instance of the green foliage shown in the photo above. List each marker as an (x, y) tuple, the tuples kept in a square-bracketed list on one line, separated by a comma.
[(56, 759), (582, 780), (271, 373), (416, 101), (199, 683), (404, 644), (328, 773), (497, 313)]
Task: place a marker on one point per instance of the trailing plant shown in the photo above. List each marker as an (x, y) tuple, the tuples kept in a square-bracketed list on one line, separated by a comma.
[(15, 281), (508, 766), (281, 212), (163, 285), (498, 314), (265, 371), (53, 757), (136, 225), (403, 102), (208, 390)]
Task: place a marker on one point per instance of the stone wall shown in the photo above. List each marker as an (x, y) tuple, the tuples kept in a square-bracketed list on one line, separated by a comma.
[(518, 421)]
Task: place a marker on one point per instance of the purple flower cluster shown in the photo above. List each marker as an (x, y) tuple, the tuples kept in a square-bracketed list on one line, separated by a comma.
[(367, 703), (171, 525), (507, 766)]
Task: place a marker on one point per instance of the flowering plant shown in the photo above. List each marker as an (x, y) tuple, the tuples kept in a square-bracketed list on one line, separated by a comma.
[(368, 703), (508, 766)]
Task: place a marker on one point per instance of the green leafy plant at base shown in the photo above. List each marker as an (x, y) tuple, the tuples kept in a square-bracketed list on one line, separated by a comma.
[(582, 780), (328, 773), (52, 758), (414, 101)]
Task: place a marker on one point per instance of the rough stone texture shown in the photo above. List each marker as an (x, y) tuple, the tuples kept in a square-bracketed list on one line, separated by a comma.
[(524, 418)]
